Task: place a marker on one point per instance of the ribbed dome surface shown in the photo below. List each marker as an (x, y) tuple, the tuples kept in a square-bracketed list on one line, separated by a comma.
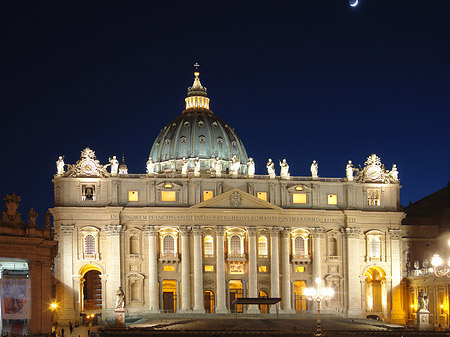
[(196, 133)]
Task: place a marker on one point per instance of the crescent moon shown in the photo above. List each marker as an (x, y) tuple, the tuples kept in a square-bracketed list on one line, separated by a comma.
[(353, 3)]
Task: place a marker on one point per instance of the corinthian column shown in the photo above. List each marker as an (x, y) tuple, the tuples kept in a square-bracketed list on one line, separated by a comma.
[(114, 266), (252, 269), (198, 270), (317, 234), (220, 272), (185, 270), (286, 272), (274, 264), (151, 232), (66, 249), (396, 251), (352, 273)]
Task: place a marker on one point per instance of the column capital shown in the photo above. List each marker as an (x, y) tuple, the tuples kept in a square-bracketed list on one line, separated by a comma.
[(317, 232), (150, 230), (351, 232), (252, 230), (197, 230), (114, 230), (396, 234), (220, 230), (274, 230), (184, 230), (67, 230), (286, 231)]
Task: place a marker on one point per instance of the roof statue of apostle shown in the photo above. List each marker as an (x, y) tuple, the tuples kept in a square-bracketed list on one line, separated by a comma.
[(251, 168), (114, 165), (150, 166), (218, 167), (197, 167), (314, 169), (349, 170), (60, 166), (184, 166), (235, 166), (284, 173), (270, 169)]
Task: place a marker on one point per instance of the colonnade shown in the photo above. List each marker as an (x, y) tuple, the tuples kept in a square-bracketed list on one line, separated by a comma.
[(192, 301)]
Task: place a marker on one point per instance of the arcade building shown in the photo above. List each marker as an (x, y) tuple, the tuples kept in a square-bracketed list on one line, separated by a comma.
[(198, 229)]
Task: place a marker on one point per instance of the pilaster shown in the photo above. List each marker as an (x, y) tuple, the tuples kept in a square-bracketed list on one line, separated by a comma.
[(274, 264), (220, 271), (198, 270), (252, 269), (185, 269), (151, 232)]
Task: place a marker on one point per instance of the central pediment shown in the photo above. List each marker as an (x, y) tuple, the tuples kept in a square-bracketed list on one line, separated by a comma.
[(238, 199)]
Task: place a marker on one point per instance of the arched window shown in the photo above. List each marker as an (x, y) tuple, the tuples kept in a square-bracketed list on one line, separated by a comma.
[(262, 246), (299, 246), (235, 245), (208, 245), (134, 245), (374, 247), (134, 290), (332, 247), (169, 245), (89, 244)]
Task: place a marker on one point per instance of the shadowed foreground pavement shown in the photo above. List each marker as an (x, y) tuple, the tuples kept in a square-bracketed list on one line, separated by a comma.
[(285, 326)]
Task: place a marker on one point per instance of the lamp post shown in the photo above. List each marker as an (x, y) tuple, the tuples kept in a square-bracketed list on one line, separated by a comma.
[(439, 269), (318, 294)]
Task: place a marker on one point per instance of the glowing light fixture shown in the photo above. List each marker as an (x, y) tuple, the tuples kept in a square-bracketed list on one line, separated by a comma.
[(53, 306), (439, 269), (318, 294)]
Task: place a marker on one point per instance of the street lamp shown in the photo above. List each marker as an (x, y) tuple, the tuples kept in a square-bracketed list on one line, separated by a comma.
[(318, 294), (438, 267)]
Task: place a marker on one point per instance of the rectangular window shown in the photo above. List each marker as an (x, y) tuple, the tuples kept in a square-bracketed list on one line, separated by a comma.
[(209, 268), (133, 196), (262, 269), (299, 198), (168, 196), (299, 269), (332, 199), (373, 197), (262, 195), (207, 195), (169, 268)]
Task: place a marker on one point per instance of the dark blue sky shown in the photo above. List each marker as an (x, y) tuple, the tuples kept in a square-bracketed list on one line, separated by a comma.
[(303, 80)]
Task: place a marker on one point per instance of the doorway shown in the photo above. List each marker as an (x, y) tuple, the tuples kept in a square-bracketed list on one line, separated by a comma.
[(236, 291), (169, 295), (299, 297), (209, 301), (376, 301), (263, 308), (92, 291)]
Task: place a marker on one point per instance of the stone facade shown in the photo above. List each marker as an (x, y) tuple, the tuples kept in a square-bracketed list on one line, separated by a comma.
[(186, 238)]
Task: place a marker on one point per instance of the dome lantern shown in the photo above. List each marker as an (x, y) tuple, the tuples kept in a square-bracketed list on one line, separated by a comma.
[(197, 97)]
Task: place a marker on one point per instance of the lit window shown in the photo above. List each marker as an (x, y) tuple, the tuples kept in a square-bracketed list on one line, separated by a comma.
[(168, 185), (208, 245), (89, 244), (169, 268), (133, 196), (169, 244), (332, 199), (299, 269), (299, 246), (207, 195), (262, 269), (235, 245), (262, 195), (373, 197), (168, 196), (262, 246), (299, 188), (374, 248), (209, 268), (299, 198)]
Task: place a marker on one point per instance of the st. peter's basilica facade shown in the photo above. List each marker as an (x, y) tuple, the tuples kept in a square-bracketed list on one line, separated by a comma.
[(199, 229)]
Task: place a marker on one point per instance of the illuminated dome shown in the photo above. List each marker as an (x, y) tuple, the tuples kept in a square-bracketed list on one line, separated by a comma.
[(197, 132)]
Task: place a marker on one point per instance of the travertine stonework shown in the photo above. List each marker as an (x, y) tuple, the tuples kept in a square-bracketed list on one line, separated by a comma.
[(186, 237)]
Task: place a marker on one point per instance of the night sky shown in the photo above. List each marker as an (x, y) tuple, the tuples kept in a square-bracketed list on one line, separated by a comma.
[(298, 80)]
